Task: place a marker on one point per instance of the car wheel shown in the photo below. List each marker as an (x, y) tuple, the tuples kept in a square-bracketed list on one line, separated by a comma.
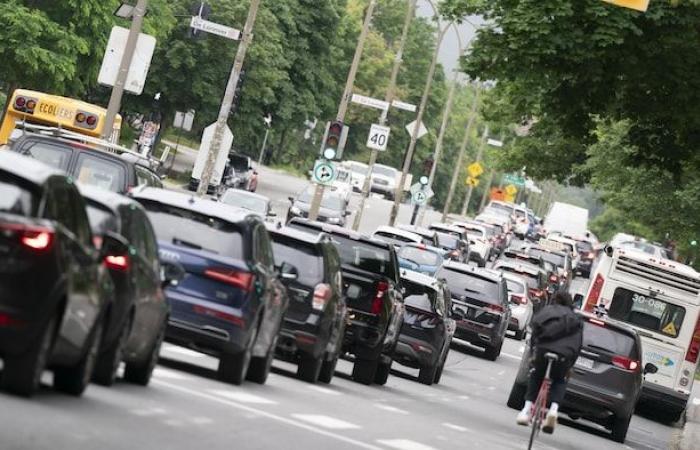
[(328, 369), (382, 374), (260, 366), (516, 399), (309, 368), (364, 370), (427, 374), (22, 375), (74, 380), (234, 367), (108, 361), (441, 367), (141, 373), (492, 353), (620, 425), (482, 263)]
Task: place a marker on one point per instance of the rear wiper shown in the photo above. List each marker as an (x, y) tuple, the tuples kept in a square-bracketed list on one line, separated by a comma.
[(182, 243)]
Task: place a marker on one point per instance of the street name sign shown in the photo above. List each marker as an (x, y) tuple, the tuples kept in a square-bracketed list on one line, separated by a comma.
[(369, 101), (403, 105), (214, 28)]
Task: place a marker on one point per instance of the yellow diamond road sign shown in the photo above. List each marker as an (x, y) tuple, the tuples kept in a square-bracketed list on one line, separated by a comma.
[(511, 190), (639, 5), (475, 169), (471, 181)]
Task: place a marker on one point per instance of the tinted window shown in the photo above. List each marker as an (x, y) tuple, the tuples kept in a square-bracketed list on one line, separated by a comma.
[(101, 218), (243, 200), (307, 260), (584, 246), (194, 230), (599, 338), (239, 163), (15, 197), (52, 155), (558, 260), (365, 256), (100, 172), (78, 209), (532, 279), (391, 238), (471, 286), (145, 177), (419, 256), (264, 248), (646, 312), (419, 296)]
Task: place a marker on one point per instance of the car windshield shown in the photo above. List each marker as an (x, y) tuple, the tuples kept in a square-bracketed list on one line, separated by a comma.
[(644, 311), (532, 279), (101, 218), (239, 163), (474, 232), (447, 240), (645, 247), (194, 230), (418, 296), (244, 200), (557, 259), (304, 257), (598, 338), (584, 246), (420, 256), (365, 256), (466, 285), (16, 198), (385, 171)]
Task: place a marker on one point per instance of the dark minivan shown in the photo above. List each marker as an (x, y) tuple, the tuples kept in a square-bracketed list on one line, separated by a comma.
[(481, 298), (312, 331), (228, 301), (606, 380), (54, 290)]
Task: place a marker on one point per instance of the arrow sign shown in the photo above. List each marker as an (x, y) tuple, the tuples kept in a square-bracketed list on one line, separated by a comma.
[(214, 28), (324, 172)]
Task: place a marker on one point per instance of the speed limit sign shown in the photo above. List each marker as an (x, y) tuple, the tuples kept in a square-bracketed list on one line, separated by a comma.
[(378, 137)]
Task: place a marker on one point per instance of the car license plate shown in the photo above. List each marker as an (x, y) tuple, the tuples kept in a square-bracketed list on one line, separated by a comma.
[(584, 363)]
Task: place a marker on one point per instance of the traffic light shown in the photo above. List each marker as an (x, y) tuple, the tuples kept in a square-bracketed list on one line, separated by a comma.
[(202, 10), (334, 140)]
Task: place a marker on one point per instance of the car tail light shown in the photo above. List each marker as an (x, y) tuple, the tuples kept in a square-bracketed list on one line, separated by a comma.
[(537, 292), (117, 262), (236, 278), (694, 348), (594, 295), (25, 104), (498, 309), (33, 238), (7, 320), (518, 299), (322, 294), (591, 255), (553, 278), (454, 253), (625, 363), (378, 300)]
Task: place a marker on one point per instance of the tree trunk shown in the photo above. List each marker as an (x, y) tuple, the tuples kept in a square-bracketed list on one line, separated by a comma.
[(10, 89)]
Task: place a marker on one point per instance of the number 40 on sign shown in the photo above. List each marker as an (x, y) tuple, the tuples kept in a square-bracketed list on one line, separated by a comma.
[(378, 137)]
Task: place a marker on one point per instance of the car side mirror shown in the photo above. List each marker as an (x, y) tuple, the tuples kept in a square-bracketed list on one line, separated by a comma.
[(578, 300), (288, 272), (650, 368), (291, 199)]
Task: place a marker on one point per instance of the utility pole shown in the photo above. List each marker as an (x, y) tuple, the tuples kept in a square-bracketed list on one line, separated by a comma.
[(115, 100), (479, 154), (227, 101), (398, 59), (487, 190), (414, 135), (462, 149)]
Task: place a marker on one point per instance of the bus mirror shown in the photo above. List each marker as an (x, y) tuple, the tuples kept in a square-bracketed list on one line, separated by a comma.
[(608, 250)]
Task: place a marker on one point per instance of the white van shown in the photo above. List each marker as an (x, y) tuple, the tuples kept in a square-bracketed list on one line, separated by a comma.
[(660, 298)]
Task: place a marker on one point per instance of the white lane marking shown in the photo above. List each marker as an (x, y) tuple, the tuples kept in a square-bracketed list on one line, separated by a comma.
[(201, 420), (323, 390), (242, 397), (259, 412), (326, 421), (500, 374), (169, 374), (522, 349), (404, 444), (452, 426), (492, 388), (391, 408), (463, 397), (173, 422), (696, 401), (182, 351), (148, 411), (508, 355)]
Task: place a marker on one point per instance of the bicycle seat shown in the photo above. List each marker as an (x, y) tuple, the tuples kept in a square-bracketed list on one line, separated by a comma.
[(551, 356)]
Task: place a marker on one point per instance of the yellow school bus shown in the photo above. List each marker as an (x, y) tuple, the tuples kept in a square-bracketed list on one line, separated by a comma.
[(39, 108)]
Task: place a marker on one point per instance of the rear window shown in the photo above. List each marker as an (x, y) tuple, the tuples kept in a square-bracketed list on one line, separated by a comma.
[(515, 287), (305, 258), (193, 230), (365, 256), (447, 240), (56, 156), (101, 219), (554, 258), (532, 280), (646, 312), (478, 232), (392, 238), (606, 339), (420, 256), (463, 285), (101, 173), (419, 296), (15, 198)]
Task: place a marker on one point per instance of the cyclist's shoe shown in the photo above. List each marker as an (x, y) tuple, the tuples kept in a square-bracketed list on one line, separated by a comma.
[(523, 417), (550, 422)]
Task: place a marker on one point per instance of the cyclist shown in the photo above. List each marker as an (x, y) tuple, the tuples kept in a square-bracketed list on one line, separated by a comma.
[(555, 329)]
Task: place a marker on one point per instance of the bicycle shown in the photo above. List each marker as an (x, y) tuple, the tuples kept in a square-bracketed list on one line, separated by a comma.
[(539, 407)]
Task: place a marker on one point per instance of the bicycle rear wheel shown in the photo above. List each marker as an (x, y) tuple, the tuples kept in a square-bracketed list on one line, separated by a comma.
[(536, 423)]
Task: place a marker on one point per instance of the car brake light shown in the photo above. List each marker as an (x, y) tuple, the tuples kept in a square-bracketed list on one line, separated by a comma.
[(537, 292), (454, 253), (495, 308), (594, 295), (378, 301), (625, 363), (518, 299), (32, 238), (117, 262), (238, 279), (553, 278), (322, 294), (694, 348)]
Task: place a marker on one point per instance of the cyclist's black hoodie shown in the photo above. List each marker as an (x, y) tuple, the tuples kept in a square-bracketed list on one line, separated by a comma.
[(557, 329)]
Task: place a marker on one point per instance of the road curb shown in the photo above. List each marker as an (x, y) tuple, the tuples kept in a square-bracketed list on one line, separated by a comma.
[(689, 437)]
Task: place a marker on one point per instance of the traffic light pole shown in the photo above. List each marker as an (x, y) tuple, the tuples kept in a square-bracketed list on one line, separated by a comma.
[(462, 149), (227, 101), (398, 59), (480, 153), (343, 106), (115, 100)]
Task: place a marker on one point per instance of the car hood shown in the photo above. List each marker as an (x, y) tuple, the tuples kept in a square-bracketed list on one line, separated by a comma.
[(325, 212)]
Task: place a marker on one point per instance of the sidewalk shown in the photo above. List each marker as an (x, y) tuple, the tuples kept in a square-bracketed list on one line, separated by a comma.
[(689, 437)]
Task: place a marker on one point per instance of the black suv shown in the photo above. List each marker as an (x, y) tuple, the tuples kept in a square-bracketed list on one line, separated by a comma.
[(481, 298), (312, 331), (88, 164), (54, 290), (606, 380), (371, 286), (137, 319)]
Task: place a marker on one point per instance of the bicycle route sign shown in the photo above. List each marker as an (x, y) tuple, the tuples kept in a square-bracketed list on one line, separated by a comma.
[(324, 172)]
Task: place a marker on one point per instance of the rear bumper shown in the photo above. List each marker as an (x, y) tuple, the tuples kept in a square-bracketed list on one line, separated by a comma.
[(302, 337), (363, 339), (206, 338), (597, 405), (477, 334), (664, 398), (413, 352)]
